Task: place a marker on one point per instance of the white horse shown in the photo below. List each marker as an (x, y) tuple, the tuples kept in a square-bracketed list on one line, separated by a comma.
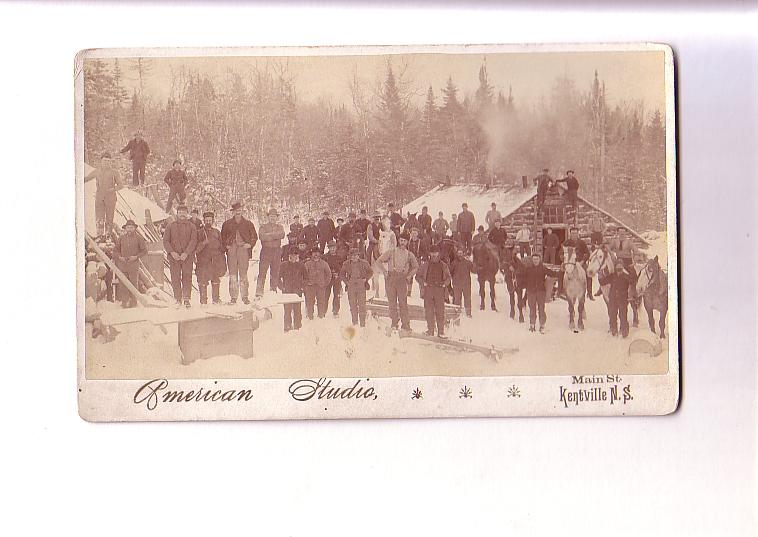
[(387, 242), (575, 285)]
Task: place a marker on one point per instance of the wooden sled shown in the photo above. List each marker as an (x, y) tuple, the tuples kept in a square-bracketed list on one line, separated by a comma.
[(379, 307), (490, 352)]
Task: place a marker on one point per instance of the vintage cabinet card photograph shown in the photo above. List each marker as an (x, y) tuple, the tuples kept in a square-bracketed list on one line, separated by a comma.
[(390, 232)]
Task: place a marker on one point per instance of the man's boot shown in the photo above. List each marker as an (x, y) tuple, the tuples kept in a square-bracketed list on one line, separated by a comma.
[(216, 292)]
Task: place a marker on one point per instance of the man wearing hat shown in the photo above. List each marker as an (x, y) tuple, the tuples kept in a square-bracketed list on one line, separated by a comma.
[(493, 215), (127, 252), (372, 236), (325, 228), (396, 221), (534, 281), (356, 272), (461, 269), (338, 228), (466, 224), (180, 241), (296, 226), (348, 233), (544, 182), (335, 258), (401, 268), (318, 276), (292, 281), (572, 187), (238, 235), (618, 300), (290, 247), (271, 234), (195, 219), (176, 180), (303, 252), (433, 278), (360, 230), (138, 152), (310, 234), (107, 182), (211, 262)]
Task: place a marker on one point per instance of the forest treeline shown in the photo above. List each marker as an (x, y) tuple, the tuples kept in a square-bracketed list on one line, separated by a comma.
[(248, 136)]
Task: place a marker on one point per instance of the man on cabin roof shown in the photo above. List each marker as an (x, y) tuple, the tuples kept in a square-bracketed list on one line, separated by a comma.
[(176, 180), (544, 182), (572, 187), (138, 152), (107, 182)]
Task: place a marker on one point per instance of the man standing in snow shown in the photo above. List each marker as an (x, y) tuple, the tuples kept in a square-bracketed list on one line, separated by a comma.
[(318, 276), (325, 228), (176, 180), (550, 244), (180, 241), (107, 182), (534, 278), (335, 258), (127, 252), (419, 248), (461, 269), (356, 272), (440, 227), (372, 233), (360, 230), (618, 302), (310, 234), (401, 268), (524, 238), (296, 227), (239, 236), (493, 215), (292, 281), (433, 278), (425, 220), (466, 227), (271, 235), (138, 152), (396, 221), (211, 262), (454, 227)]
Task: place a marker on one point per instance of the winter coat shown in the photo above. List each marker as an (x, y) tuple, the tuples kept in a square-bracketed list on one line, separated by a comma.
[(551, 240), (434, 274), (245, 228), (498, 236), (180, 237), (466, 222), (572, 183), (292, 277), (271, 235), (210, 254), (580, 249), (129, 245), (175, 178), (461, 269), (355, 274), (360, 227), (440, 227), (138, 150), (335, 260), (425, 221), (347, 233), (534, 277), (286, 249), (318, 273), (325, 230), (296, 228), (523, 235), (543, 181), (619, 283), (309, 234), (492, 215)]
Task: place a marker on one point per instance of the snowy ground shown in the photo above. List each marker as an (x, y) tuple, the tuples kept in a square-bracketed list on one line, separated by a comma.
[(332, 348)]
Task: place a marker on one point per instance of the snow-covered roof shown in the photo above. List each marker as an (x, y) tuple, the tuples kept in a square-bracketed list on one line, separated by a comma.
[(479, 198), (129, 204)]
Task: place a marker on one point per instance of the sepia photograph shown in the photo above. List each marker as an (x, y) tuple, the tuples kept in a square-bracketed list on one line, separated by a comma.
[(326, 214)]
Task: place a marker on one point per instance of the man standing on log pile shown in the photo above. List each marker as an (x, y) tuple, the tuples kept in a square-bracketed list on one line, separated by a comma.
[(127, 252), (434, 277), (238, 236), (325, 227), (356, 272), (211, 263), (180, 241), (138, 152), (107, 182), (466, 226), (176, 180), (572, 187), (401, 268), (271, 235)]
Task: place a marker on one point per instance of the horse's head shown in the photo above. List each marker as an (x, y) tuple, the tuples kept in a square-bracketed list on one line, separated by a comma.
[(598, 258), (648, 276), (569, 259)]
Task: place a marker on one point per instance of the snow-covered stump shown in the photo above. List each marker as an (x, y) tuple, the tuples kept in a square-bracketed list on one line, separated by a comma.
[(645, 342)]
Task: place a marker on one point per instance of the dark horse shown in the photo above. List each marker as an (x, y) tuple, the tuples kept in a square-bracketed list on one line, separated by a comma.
[(514, 272), (487, 265), (411, 222), (652, 286)]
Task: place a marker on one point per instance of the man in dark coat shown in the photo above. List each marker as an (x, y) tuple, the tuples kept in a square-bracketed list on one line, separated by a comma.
[(325, 227), (318, 276), (465, 227), (127, 252), (550, 244), (335, 258), (292, 281), (290, 247), (138, 152), (425, 220), (310, 234), (513, 270), (176, 180), (296, 226), (360, 230), (572, 187), (348, 236), (271, 234), (433, 278), (396, 221), (497, 235), (461, 269), (238, 236), (303, 252), (195, 219), (544, 182), (356, 273), (211, 262), (582, 252), (534, 279), (419, 247), (618, 301), (180, 241), (372, 235)]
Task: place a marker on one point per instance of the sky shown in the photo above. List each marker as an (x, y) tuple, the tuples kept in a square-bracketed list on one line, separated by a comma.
[(629, 76)]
